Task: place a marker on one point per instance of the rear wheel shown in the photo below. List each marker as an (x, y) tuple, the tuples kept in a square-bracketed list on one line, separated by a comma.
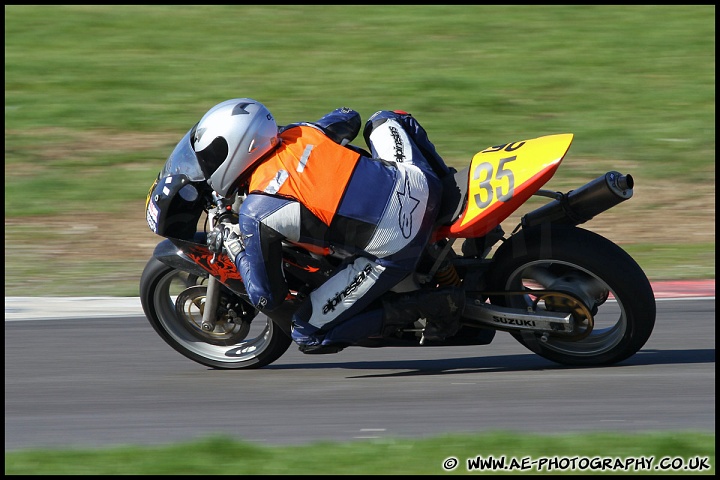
[(599, 284), (174, 301)]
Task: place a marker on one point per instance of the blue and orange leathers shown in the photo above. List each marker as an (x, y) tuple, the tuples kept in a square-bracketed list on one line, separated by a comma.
[(379, 210)]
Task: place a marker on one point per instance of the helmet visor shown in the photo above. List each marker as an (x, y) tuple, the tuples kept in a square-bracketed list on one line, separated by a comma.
[(212, 156)]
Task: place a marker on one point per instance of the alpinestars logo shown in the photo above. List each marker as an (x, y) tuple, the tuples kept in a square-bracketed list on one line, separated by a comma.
[(408, 204), (399, 146), (354, 284)]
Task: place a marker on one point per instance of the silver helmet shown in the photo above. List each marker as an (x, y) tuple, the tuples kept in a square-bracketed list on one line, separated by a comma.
[(231, 138)]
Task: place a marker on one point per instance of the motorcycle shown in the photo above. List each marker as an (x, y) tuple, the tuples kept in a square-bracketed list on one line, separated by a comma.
[(564, 292)]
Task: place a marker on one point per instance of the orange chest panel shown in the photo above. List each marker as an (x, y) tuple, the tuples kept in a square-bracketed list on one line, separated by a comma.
[(307, 167)]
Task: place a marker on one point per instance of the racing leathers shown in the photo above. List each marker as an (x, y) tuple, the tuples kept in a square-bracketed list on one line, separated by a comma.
[(317, 189)]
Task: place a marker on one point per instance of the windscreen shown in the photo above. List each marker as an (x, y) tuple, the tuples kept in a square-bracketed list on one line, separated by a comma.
[(183, 161)]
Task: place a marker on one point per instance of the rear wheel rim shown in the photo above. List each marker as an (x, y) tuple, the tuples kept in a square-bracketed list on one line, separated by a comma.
[(610, 323)]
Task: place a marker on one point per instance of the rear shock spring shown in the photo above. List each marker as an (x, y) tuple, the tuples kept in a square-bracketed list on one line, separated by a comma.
[(447, 275)]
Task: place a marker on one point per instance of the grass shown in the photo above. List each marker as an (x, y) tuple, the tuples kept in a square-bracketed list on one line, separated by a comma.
[(96, 97), (608, 453), (675, 261), (85, 86)]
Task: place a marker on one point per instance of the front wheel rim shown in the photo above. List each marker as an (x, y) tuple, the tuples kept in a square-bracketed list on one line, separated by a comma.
[(221, 347)]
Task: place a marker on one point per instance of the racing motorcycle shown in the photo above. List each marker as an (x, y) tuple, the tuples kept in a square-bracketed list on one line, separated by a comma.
[(563, 292)]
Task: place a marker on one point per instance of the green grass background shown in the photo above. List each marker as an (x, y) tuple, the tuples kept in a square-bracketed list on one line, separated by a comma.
[(632, 82), (96, 97), (224, 456)]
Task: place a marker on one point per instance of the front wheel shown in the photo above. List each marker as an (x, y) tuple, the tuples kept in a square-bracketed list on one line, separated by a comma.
[(173, 303), (602, 287)]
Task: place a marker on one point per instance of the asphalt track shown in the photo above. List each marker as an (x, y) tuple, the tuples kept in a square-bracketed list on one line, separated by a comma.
[(92, 373)]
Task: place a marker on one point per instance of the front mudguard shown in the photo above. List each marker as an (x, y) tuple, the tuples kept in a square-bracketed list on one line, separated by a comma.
[(171, 254), (194, 257)]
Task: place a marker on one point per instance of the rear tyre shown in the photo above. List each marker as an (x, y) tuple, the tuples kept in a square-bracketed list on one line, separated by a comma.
[(618, 308)]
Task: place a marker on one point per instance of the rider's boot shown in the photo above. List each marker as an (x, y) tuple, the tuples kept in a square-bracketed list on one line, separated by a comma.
[(441, 309)]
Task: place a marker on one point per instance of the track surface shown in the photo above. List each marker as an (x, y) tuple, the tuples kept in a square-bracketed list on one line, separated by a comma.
[(107, 381)]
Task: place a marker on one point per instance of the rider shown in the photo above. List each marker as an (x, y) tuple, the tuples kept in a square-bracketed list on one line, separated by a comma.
[(305, 183)]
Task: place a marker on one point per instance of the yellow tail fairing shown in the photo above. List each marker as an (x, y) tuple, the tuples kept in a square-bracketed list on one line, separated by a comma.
[(503, 177)]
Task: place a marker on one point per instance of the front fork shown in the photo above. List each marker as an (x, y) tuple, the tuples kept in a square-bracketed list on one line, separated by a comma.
[(212, 298), (223, 208)]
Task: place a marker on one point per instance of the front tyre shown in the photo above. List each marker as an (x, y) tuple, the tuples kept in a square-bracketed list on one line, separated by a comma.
[(173, 301), (617, 313)]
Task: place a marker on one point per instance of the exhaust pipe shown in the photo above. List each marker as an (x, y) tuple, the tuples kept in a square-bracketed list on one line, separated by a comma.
[(580, 205)]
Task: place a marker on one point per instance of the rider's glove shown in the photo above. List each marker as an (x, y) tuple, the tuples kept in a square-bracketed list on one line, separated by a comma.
[(226, 236)]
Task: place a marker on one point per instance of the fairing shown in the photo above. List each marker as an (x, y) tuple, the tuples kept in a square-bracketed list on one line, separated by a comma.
[(502, 178), (179, 195)]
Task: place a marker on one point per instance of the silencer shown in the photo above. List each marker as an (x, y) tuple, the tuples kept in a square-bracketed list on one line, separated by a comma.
[(580, 205)]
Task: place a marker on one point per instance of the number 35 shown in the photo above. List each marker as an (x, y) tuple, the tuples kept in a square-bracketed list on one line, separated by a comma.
[(484, 173)]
